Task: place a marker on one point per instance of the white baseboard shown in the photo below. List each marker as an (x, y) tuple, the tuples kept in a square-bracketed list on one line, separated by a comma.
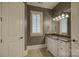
[(34, 47)]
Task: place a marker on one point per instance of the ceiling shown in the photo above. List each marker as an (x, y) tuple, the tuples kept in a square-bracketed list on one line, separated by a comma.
[(49, 5)]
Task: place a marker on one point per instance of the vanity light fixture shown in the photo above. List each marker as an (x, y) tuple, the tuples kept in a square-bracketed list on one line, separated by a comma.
[(56, 19), (61, 17)]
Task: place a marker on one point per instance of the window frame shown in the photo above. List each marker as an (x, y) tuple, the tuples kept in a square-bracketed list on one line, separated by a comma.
[(41, 23)]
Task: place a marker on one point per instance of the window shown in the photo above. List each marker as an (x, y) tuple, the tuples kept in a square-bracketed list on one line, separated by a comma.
[(36, 23)]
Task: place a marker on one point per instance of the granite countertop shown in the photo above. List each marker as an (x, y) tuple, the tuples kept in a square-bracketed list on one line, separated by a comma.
[(59, 35), (64, 38)]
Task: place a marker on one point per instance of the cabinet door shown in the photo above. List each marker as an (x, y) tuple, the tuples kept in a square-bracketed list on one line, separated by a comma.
[(61, 51), (64, 49), (52, 46), (67, 49), (49, 44)]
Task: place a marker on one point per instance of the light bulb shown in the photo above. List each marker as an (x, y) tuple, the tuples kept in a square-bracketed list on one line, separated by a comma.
[(67, 15), (63, 15), (59, 17), (56, 17), (53, 19)]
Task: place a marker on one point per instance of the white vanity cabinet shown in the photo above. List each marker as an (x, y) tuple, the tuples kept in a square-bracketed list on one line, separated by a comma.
[(58, 47), (52, 46)]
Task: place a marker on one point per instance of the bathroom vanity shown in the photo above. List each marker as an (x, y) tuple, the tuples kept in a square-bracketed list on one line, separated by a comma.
[(58, 46)]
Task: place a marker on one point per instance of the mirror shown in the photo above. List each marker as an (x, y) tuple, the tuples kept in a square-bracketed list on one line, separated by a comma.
[(62, 25)]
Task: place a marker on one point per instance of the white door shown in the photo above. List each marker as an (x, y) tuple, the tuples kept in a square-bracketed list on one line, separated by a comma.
[(0, 38), (75, 29), (13, 29), (0, 29)]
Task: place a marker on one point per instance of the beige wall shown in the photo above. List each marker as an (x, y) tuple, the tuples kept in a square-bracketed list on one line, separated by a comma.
[(75, 29), (74, 19)]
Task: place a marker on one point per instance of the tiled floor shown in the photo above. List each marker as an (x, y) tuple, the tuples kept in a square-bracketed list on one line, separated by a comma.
[(39, 53)]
